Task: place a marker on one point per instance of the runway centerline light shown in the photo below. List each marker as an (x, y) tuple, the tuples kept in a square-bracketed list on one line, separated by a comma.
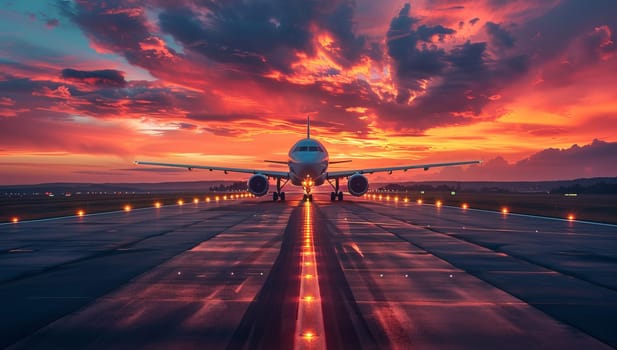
[(308, 335)]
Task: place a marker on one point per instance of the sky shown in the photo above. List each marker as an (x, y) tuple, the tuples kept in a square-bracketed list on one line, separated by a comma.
[(87, 87)]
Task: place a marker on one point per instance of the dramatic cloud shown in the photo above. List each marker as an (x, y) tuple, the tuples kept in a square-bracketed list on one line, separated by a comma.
[(383, 81), (99, 78), (593, 160), (500, 38)]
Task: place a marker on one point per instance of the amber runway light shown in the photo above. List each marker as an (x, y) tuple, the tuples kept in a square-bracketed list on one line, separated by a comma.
[(309, 323)]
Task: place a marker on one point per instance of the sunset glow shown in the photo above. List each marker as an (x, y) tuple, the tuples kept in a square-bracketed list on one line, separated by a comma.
[(527, 87)]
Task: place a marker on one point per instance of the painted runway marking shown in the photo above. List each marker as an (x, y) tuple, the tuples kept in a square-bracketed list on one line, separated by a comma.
[(310, 330)]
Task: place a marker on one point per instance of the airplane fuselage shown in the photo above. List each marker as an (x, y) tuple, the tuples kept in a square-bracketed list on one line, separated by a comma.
[(308, 163)]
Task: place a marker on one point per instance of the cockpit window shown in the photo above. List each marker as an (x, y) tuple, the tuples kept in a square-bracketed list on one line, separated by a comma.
[(308, 149)]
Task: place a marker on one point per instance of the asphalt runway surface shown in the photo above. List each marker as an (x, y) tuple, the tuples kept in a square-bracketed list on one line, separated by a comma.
[(292, 275)]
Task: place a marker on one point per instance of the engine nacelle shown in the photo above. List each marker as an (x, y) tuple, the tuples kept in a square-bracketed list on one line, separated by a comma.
[(357, 184), (258, 185)]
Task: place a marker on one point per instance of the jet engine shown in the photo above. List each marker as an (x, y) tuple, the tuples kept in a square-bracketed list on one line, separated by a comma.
[(357, 184), (258, 185)]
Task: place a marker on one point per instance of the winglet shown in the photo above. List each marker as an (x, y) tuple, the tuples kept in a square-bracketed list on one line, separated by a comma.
[(308, 127)]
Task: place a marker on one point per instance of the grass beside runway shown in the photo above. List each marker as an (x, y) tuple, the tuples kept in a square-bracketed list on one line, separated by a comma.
[(40, 207), (586, 207)]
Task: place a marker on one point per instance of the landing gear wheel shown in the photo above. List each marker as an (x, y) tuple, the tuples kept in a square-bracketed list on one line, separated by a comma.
[(340, 196), (282, 196), (332, 196), (304, 198), (310, 197), (275, 196)]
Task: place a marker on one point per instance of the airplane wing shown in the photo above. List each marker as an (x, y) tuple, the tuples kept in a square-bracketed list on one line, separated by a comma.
[(347, 173), (270, 173)]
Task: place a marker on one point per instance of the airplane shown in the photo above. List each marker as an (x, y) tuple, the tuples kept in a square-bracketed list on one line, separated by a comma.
[(308, 162)]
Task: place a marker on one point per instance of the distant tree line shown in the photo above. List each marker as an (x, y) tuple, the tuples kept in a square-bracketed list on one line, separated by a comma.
[(598, 188), (418, 187), (234, 187)]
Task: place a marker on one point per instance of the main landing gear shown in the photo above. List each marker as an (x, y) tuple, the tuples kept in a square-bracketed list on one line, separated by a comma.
[(307, 198), (278, 194), (336, 194)]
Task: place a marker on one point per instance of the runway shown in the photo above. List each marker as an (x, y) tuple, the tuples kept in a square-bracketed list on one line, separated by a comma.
[(337, 275)]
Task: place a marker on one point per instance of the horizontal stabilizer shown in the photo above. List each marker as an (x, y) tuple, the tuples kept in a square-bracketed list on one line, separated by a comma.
[(276, 161)]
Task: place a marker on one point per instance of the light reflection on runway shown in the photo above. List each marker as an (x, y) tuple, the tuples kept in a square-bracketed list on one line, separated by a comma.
[(310, 331), (393, 274)]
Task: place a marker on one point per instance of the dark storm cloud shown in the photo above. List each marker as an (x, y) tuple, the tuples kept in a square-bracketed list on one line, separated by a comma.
[(473, 21), (499, 37), (100, 78), (415, 58), (116, 26), (262, 35), (462, 79), (549, 35)]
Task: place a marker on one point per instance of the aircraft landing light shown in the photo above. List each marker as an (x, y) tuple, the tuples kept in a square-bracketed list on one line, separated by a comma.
[(127, 208), (207, 199), (438, 204), (419, 201), (465, 206), (406, 200), (195, 200), (180, 202), (571, 217), (81, 212), (15, 220), (157, 204), (504, 210)]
